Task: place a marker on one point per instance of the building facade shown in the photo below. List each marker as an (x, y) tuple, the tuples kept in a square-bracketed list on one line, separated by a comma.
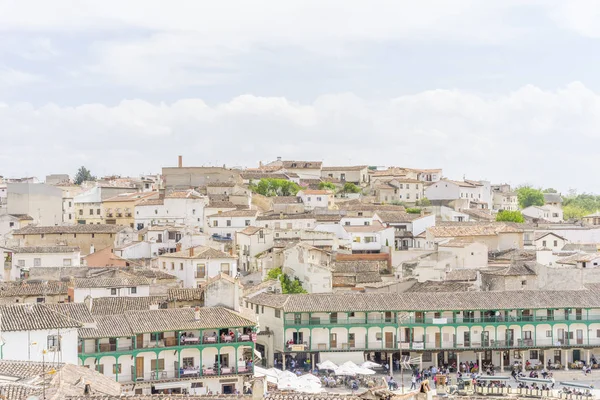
[(559, 327)]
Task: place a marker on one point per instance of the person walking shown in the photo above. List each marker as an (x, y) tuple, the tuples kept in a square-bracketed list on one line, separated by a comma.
[(413, 382)]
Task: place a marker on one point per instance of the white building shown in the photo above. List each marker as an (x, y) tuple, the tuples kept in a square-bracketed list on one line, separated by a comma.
[(196, 265), (180, 207), (226, 224), (287, 221), (250, 242), (24, 258), (10, 222), (321, 199), (310, 265), (369, 238), (40, 201), (357, 174), (546, 212), (402, 190), (39, 332), (134, 286), (470, 194), (507, 201), (549, 240)]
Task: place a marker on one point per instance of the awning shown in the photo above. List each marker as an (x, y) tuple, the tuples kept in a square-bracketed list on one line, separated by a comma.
[(172, 385), (492, 378), (576, 385), (257, 354)]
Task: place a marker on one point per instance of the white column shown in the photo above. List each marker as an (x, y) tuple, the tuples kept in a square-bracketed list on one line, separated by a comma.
[(421, 362), (435, 359), (390, 356), (457, 362), (522, 354), (501, 361), (566, 360), (588, 357), (480, 364)]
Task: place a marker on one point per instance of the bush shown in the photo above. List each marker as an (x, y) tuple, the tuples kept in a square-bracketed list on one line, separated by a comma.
[(413, 210), (287, 285), (510, 216)]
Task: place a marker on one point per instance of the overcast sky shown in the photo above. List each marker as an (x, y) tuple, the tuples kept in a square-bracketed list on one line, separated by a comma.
[(507, 91)]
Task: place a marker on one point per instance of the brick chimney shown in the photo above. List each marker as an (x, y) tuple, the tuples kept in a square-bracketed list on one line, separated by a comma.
[(180, 161)]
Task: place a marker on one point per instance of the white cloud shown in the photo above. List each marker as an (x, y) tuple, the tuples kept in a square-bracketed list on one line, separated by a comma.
[(529, 135), (11, 77)]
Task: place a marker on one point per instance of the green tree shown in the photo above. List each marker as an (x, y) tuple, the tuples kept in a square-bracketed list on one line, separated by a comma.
[(574, 211), (275, 187), (287, 285), (424, 202), (510, 216), (550, 190), (413, 210), (529, 196), (327, 186), (350, 187), (83, 174)]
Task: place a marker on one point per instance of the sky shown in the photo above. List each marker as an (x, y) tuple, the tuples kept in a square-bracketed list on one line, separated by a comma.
[(506, 91)]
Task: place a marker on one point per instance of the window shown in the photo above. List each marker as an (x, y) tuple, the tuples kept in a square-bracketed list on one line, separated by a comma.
[(37, 262), (347, 223), (549, 333), (100, 368), (133, 290), (597, 333), (370, 239), (181, 266), (228, 222), (308, 198), (187, 362), (356, 239), (408, 185), (556, 243), (53, 343), (164, 265), (247, 222), (93, 235), (80, 212), (40, 300), (215, 223), (172, 266), (11, 224), (200, 270), (378, 336), (225, 268), (533, 354), (543, 243), (161, 364), (155, 211), (116, 368), (318, 199), (277, 313), (66, 262), (196, 385), (427, 356), (98, 211), (408, 195), (75, 235), (360, 214), (194, 211), (69, 204), (524, 283), (91, 211), (113, 291), (70, 217)]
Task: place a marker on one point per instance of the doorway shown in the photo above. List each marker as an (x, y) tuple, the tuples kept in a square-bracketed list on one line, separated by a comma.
[(333, 318), (438, 340), (389, 340), (333, 340), (139, 341), (506, 357), (579, 337), (298, 337), (351, 340), (228, 389), (485, 338), (139, 368), (576, 355), (510, 337), (467, 339)]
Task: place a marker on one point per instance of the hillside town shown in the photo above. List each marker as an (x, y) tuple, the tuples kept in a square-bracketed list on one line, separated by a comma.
[(211, 280)]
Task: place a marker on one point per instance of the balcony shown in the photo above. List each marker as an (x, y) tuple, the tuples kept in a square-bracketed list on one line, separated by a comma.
[(182, 373), (356, 345), (173, 342), (500, 344), (341, 321), (119, 215), (109, 215)]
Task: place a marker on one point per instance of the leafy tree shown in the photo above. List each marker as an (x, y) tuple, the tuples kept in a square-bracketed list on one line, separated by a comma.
[(275, 187), (287, 285), (327, 186), (575, 211), (529, 196), (424, 202), (83, 174), (510, 216), (550, 190), (350, 187), (413, 210)]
